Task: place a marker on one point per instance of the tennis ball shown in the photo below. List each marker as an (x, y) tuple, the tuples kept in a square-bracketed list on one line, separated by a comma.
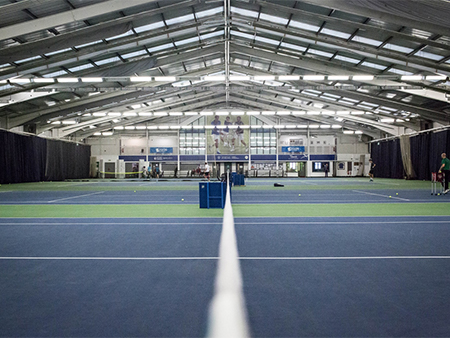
[(135, 191), (182, 199), (396, 193), (439, 194), (299, 194), (390, 196)]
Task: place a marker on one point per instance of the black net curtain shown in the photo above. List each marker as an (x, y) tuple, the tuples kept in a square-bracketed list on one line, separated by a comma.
[(26, 158)]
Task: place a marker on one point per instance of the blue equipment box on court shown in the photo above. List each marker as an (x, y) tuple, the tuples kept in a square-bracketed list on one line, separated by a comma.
[(212, 194), (238, 179)]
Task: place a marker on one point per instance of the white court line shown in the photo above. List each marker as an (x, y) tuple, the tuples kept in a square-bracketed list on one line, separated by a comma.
[(345, 258), (68, 198), (371, 193), (108, 258), (6, 191), (216, 258), (218, 223)]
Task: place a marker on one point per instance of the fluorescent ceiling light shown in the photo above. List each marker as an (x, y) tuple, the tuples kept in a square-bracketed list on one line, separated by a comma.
[(129, 128), (160, 113), (222, 113), (343, 112), (290, 126), (97, 134), (288, 78), (302, 126), (206, 113), (362, 77), (279, 126), (313, 77), (359, 132), (268, 113), (283, 113), (325, 126), (214, 78), (107, 133), (237, 113), (411, 77), (175, 113), (186, 127), (129, 114), (163, 127), (69, 122), (435, 77), (253, 113), (141, 127), (348, 131), (67, 80), (91, 79), (357, 112), (140, 78), (239, 78), (190, 113), (338, 77), (267, 126), (19, 80), (99, 114), (313, 112), (199, 127), (152, 127), (328, 112), (119, 128), (298, 113), (314, 126), (174, 127), (387, 120), (165, 78), (114, 114), (264, 77), (335, 126), (43, 80), (145, 114)]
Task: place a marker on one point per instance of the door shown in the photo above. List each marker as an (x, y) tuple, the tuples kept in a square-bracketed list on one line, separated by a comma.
[(110, 170)]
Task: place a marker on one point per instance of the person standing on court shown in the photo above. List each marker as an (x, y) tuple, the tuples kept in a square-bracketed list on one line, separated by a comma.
[(326, 169), (445, 168), (206, 174), (371, 169)]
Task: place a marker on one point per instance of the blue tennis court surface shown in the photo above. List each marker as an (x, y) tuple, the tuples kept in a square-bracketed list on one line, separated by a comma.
[(303, 276)]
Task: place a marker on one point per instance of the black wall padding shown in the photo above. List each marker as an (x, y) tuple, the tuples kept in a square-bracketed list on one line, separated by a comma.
[(388, 159), (26, 158)]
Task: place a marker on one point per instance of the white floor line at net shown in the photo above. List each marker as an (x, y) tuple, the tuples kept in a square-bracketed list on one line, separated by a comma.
[(227, 313)]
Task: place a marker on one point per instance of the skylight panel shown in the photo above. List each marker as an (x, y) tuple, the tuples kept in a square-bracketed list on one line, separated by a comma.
[(105, 61), (274, 19), (321, 53), (82, 67), (399, 71), (186, 41), (373, 65), (266, 40), (56, 74), (128, 33), (244, 12), (397, 48), (367, 41), (346, 59), (212, 35), (292, 46), (429, 56), (304, 26), (209, 12), (29, 59), (180, 19), (150, 27), (335, 33), (242, 35), (88, 44), (59, 51), (160, 47), (133, 54)]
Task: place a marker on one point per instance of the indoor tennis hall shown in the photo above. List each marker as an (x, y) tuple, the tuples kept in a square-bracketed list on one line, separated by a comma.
[(331, 258)]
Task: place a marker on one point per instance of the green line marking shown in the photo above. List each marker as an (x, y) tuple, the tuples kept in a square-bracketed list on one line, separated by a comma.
[(239, 210)]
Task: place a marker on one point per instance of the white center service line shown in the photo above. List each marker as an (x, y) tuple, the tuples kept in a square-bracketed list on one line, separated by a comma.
[(216, 258), (68, 198), (371, 193)]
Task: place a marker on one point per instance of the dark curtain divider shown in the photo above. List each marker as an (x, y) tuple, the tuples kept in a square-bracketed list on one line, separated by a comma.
[(420, 148), (388, 159), (26, 158), (67, 160), (438, 145)]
